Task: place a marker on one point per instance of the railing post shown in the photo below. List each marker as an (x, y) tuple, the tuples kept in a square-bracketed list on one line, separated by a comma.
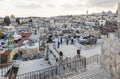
[(2, 72), (97, 59), (85, 63)]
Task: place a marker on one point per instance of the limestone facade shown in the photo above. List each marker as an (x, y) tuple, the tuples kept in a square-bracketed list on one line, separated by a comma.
[(110, 58), (118, 18)]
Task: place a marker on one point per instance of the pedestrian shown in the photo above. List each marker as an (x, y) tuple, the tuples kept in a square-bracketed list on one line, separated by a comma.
[(72, 40), (61, 40), (58, 44), (67, 41)]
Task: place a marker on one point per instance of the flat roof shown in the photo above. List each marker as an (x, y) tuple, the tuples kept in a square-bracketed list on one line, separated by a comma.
[(32, 65)]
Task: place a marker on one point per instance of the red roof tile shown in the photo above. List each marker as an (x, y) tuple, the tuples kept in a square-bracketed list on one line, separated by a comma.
[(26, 36), (6, 52), (41, 48)]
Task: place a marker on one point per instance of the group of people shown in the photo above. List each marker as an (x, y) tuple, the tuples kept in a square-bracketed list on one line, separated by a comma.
[(67, 39)]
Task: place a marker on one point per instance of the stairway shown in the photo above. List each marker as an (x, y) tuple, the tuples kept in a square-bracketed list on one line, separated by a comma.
[(93, 73), (12, 73), (98, 73)]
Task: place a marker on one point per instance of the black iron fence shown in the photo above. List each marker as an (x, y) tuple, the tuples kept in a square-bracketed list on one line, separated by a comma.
[(92, 59), (68, 66), (4, 68), (55, 71)]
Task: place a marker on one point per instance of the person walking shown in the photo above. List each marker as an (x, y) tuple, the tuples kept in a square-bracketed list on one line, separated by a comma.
[(72, 40), (58, 44), (61, 40), (67, 41)]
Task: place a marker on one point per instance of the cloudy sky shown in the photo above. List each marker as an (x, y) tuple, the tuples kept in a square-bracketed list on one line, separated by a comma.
[(55, 7)]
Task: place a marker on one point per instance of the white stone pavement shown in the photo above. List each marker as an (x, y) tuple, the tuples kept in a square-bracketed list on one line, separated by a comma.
[(93, 71)]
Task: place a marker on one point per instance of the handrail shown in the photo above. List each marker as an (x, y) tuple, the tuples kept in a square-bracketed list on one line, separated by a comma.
[(5, 64), (51, 67), (72, 65)]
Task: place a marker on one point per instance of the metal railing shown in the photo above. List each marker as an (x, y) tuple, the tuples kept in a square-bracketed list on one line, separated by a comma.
[(4, 68), (55, 71), (92, 59), (67, 66)]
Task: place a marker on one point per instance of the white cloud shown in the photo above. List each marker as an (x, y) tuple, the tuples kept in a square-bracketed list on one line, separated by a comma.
[(54, 7), (50, 5), (29, 6)]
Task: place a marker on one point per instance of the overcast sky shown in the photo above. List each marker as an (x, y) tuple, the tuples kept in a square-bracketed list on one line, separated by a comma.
[(55, 7)]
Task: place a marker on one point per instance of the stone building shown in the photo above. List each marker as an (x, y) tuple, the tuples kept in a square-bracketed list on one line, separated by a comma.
[(111, 57), (118, 19)]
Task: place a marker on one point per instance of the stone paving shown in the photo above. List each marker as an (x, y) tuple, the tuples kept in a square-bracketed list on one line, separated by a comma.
[(93, 71), (96, 72)]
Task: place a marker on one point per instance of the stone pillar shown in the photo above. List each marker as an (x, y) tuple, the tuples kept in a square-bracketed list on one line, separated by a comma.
[(60, 57), (78, 53)]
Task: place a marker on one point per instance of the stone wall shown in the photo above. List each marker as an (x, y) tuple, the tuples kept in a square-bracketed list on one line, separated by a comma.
[(118, 18), (111, 58), (27, 52)]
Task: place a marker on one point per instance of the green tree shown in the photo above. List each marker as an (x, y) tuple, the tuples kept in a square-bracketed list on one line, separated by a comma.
[(17, 21), (1, 34), (15, 56), (30, 20), (7, 20)]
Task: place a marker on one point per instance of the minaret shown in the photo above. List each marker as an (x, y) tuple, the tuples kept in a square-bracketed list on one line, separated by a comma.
[(87, 12), (87, 15)]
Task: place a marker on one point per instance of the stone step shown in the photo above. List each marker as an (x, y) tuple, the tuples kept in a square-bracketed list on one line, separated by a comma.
[(97, 73)]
